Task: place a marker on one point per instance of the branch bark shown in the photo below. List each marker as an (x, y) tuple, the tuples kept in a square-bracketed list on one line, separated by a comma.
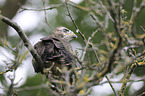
[(24, 39)]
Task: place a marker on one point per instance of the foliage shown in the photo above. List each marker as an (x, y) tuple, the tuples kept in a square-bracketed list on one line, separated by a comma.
[(112, 35)]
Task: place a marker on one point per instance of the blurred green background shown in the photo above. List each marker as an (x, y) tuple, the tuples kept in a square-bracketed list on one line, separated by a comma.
[(34, 23)]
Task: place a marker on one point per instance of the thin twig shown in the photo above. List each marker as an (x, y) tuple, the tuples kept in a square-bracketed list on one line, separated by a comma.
[(142, 94), (78, 6), (135, 13), (122, 81), (10, 90), (123, 87), (107, 11), (82, 35), (142, 28), (46, 17), (136, 10), (115, 51), (69, 14), (42, 9), (87, 44), (111, 85)]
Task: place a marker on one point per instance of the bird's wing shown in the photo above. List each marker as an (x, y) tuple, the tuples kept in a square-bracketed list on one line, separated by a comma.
[(52, 50), (55, 40), (61, 51), (52, 47)]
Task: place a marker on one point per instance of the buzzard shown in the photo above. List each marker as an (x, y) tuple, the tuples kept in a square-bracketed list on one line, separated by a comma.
[(55, 51)]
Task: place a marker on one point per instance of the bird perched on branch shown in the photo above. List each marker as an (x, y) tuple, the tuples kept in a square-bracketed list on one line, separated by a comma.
[(55, 51)]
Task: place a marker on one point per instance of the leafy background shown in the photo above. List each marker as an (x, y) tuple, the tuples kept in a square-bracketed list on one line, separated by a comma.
[(35, 24)]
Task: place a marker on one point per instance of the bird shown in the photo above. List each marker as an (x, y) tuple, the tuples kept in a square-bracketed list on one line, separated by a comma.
[(55, 51)]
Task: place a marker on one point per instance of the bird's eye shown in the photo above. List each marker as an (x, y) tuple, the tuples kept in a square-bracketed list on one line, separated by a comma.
[(65, 30)]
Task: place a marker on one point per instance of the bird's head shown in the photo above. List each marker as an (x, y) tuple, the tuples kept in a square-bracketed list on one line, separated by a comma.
[(64, 33)]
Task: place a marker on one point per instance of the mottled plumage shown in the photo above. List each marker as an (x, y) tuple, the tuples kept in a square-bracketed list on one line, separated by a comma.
[(55, 50)]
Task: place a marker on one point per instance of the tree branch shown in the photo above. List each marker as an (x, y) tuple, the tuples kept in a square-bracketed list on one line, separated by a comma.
[(123, 87), (69, 14), (24, 39)]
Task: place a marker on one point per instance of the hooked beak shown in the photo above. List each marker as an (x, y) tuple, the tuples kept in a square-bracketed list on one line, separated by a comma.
[(75, 36), (72, 34)]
